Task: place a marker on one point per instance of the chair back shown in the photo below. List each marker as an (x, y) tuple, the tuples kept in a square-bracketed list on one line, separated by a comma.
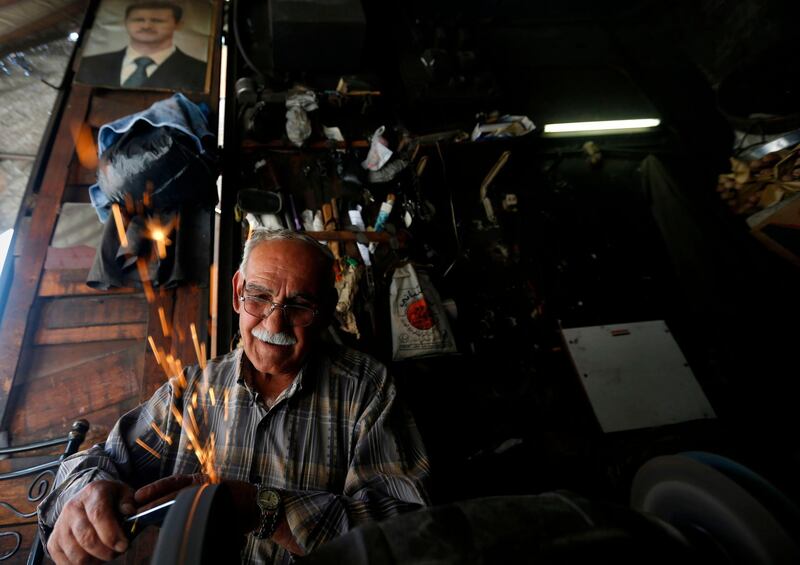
[(41, 485)]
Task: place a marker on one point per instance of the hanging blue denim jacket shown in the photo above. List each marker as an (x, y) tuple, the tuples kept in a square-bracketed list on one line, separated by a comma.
[(185, 118)]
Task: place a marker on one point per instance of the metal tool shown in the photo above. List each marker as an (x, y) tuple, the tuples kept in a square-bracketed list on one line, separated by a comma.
[(152, 517), (487, 204)]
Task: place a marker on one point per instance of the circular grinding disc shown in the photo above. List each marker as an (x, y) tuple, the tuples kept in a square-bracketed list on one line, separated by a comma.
[(692, 495)]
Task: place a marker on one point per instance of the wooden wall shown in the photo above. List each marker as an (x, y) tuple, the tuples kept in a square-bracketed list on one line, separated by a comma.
[(68, 351)]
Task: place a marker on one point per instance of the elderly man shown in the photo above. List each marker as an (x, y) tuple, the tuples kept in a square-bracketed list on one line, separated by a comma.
[(310, 438), (151, 60)]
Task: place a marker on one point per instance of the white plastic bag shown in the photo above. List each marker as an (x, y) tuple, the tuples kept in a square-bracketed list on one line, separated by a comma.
[(379, 153), (419, 322)]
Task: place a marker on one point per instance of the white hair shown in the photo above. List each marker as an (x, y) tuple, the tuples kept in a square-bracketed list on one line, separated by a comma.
[(263, 235)]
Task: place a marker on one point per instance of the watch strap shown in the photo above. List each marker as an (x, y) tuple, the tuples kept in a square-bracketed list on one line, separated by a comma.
[(269, 518)]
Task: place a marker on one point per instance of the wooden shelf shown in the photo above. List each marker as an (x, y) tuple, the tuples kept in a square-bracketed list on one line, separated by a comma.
[(280, 145), (377, 237)]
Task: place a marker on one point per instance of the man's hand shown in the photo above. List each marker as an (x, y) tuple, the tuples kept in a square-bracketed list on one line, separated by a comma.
[(165, 489), (88, 529), (244, 499), (244, 496)]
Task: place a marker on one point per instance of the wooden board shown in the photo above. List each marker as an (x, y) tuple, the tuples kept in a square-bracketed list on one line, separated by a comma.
[(103, 420), (76, 193), (72, 312), (56, 400), (110, 105), (43, 24), (81, 176), (188, 308), (48, 359), (78, 257), (89, 333), (28, 269), (72, 282)]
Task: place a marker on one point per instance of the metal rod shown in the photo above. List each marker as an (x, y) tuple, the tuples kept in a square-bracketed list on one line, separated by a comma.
[(32, 446), (17, 157), (30, 470)]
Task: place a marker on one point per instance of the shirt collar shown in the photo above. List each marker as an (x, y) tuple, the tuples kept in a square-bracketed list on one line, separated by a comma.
[(158, 57), (243, 373)]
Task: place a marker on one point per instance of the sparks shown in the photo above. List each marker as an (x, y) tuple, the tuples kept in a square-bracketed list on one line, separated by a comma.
[(177, 414), (212, 396), (160, 235), (155, 350), (85, 147), (141, 265), (197, 349), (193, 428), (165, 329), (159, 433), (123, 239), (147, 448)]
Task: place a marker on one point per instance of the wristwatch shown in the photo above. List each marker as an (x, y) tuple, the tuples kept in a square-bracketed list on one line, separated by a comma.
[(269, 503)]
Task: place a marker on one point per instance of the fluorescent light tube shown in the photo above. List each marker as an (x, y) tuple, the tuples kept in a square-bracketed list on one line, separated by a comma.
[(607, 126)]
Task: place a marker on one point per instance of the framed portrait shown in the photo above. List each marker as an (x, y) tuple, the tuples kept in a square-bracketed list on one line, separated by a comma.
[(158, 45)]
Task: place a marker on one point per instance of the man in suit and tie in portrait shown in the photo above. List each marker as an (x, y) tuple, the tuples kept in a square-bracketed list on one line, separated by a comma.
[(151, 59)]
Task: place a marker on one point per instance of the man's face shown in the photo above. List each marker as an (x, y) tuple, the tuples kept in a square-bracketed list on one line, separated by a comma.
[(151, 26), (286, 272)]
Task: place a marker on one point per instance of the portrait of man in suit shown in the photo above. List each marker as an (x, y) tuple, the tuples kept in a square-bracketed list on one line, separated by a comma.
[(151, 59)]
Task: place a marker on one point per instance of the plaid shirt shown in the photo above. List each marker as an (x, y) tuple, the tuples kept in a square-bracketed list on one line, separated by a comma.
[(337, 443)]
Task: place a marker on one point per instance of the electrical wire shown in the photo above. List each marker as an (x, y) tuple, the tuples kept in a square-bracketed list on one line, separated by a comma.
[(452, 210), (239, 46)]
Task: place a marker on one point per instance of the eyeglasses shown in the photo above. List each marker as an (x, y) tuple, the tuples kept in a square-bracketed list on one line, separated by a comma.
[(294, 314)]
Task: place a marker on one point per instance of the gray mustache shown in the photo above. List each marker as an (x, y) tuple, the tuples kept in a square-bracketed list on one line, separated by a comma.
[(279, 338)]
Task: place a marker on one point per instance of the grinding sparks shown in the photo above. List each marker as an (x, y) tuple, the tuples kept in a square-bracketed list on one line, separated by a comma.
[(165, 329), (159, 433), (160, 235), (201, 360), (155, 350), (123, 239), (85, 147), (193, 422), (193, 411), (175, 368), (195, 408), (147, 448), (177, 414), (141, 266), (160, 239)]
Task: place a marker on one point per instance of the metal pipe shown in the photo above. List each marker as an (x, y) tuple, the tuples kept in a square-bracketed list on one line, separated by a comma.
[(17, 157)]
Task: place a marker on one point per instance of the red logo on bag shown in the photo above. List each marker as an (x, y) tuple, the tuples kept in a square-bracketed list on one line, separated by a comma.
[(419, 315)]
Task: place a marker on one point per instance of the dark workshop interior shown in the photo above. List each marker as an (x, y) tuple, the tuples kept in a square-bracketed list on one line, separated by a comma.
[(539, 252)]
